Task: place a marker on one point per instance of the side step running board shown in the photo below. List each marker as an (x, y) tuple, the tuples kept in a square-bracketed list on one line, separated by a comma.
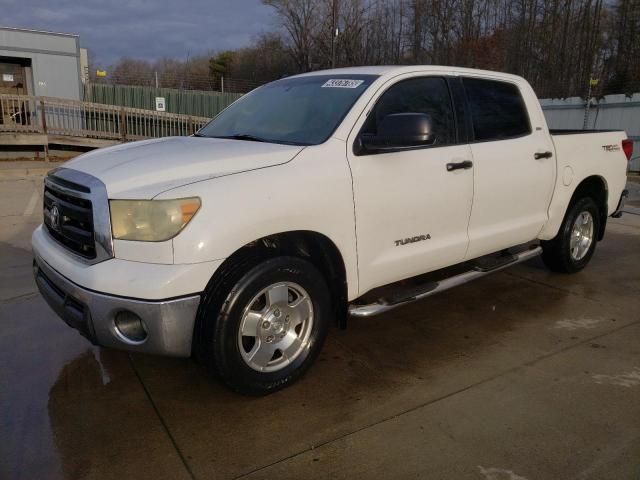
[(423, 291)]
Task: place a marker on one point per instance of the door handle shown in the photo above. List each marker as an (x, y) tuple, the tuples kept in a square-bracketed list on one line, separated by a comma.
[(458, 165), (539, 155)]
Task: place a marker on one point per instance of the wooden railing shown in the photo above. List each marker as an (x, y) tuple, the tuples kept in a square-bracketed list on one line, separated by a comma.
[(55, 116)]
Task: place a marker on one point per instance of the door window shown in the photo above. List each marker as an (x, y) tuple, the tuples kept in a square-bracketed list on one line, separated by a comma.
[(428, 95), (497, 109)]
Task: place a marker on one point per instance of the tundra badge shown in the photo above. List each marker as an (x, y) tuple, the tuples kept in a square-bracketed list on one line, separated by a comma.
[(417, 238)]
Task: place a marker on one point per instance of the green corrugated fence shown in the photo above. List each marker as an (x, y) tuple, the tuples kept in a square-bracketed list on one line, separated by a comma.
[(188, 102)]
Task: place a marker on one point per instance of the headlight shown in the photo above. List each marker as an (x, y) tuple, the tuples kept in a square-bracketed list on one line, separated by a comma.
[(151, 220)]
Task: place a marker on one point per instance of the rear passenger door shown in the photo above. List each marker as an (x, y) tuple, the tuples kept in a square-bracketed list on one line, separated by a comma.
[(411, 210), (512, 188)]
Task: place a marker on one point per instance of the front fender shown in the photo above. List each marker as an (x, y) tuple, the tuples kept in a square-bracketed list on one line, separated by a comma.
[(313, 192)]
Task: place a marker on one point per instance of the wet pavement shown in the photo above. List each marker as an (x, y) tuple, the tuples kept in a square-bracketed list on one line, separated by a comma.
[(522, 375)]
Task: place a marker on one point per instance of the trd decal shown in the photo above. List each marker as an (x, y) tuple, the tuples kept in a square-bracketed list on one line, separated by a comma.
[(417, 238), (611, 148)]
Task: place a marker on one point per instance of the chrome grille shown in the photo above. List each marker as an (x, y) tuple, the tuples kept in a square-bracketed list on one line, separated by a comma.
[(69, 220), (76, 214)]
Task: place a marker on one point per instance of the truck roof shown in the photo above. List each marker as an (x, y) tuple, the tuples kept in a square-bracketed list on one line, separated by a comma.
[(393, 70)]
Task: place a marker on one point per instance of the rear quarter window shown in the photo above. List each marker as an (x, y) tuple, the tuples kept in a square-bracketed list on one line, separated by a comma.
[(498, 110)]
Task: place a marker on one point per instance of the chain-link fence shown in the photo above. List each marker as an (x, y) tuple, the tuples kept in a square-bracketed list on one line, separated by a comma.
[(182, 80)]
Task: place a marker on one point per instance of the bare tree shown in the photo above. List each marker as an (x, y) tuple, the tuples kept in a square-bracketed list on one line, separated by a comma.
[(300, 20), (558, 45)]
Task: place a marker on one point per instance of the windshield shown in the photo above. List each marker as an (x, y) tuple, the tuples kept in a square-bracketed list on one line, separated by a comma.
[(299, 111)]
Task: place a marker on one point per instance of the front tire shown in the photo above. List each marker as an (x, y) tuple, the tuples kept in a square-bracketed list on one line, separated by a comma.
[(573, 246), (269, 327)]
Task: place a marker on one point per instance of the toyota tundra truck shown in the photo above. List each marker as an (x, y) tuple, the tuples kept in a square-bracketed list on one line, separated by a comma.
[(313, 198)]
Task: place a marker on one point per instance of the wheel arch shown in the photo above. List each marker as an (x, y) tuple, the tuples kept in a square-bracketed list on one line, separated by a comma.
[(313, 246), (594, 186)]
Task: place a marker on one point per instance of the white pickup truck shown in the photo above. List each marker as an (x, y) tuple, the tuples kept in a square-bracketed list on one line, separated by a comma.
[(243, 243)]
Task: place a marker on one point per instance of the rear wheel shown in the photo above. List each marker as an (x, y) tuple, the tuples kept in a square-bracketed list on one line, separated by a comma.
[(269, 327), (573, 246)]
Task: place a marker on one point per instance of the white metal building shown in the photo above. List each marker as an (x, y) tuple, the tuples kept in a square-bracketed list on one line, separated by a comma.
[(40, 63)]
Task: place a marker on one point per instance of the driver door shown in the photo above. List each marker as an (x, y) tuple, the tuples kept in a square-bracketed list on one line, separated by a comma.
[(411, 209)]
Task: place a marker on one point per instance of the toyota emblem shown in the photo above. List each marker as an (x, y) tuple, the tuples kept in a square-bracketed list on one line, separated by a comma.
[(54, 217)]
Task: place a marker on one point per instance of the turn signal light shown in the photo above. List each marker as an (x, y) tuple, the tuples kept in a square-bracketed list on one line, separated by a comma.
[(190, 207), (627, 147)]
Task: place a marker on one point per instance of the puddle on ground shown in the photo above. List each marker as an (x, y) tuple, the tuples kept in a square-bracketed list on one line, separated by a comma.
[(577, 323), (499, 474), (627, 379)]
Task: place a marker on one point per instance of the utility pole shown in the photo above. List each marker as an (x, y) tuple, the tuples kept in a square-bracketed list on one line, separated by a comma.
[(592, 83), (156, 79), (417, 29), (334, 31)]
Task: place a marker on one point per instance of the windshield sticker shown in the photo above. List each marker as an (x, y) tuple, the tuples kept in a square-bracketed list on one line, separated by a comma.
[(342, 83)]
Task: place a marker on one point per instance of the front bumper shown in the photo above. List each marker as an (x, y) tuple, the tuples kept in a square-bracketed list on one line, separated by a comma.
[(168, 323)]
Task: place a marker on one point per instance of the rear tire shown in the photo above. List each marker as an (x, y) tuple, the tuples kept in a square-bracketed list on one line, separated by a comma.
[(573, 246), (267, 328)]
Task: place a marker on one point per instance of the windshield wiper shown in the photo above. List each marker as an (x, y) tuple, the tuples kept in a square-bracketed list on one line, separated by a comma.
[(246, 136), (253, 138)]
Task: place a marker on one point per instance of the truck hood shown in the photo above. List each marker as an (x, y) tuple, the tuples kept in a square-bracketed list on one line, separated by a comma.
[(142, 170)]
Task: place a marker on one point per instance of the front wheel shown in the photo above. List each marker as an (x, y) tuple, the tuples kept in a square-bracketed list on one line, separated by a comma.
[(573, 246), (270, 327)]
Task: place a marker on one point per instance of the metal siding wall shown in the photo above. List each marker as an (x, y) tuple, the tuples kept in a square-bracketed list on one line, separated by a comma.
[(187, 102), (31, 40), (54, 60), (56, 76), (616, 112)]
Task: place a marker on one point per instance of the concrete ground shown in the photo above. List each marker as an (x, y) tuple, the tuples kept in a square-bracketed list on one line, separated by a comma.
[(522, 375), (23, 169)]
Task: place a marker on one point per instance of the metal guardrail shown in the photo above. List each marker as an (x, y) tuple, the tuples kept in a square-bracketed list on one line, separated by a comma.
[(25, 114)]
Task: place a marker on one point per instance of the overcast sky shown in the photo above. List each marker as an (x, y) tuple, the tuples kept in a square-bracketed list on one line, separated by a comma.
[(148, 29)]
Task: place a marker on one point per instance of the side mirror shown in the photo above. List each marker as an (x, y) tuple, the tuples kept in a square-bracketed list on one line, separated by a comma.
[(400, 130)]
